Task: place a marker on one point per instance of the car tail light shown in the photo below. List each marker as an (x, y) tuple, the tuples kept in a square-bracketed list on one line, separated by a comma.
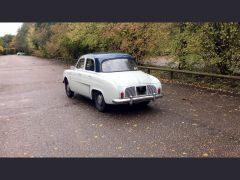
[(159, 91), (122, 95)]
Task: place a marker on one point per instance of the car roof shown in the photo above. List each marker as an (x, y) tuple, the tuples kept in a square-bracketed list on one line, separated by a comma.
[(104, 56)]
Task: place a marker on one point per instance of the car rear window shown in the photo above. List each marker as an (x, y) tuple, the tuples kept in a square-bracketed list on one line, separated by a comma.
[(118, 65)]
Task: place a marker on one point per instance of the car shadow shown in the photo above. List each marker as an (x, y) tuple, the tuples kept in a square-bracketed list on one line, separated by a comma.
[(124, 110), (129, 109)]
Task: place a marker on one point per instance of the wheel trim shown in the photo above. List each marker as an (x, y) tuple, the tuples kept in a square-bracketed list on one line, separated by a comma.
[(68, 89), (100, 99)]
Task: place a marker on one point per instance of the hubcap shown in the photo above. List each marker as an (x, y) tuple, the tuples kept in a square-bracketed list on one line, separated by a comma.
[(68, 88), (99, 99)]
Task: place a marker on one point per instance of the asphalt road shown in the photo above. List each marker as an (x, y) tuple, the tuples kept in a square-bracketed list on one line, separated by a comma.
[(38, 120)]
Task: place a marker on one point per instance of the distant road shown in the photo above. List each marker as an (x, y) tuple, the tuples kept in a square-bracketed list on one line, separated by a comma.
[(38, 120)]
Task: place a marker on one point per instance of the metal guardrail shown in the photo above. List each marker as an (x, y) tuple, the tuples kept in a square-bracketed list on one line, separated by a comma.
[(62, 58), (171, 71)]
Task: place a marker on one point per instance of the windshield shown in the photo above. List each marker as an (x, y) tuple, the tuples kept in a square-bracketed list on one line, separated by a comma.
[(116, 65)]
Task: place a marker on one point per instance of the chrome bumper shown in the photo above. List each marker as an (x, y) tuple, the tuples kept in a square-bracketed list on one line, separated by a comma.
[(132, 100)]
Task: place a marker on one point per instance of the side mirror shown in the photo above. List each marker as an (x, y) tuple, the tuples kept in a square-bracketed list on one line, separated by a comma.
[(72, 67)]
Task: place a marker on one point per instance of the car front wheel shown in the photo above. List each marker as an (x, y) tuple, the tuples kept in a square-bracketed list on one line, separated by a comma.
[(69, 92), (99, 102)]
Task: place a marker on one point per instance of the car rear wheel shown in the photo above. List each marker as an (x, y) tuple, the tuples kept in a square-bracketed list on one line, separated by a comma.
[(69, 92), (99, 102)]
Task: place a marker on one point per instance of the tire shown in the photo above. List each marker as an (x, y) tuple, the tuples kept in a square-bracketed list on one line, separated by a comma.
[(69, 92), (99, 102)]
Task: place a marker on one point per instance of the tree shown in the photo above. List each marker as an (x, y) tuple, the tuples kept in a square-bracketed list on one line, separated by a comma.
[(1, 49), (208, 46), (12, 44), (21, 38), (5, 40), (221, 46)]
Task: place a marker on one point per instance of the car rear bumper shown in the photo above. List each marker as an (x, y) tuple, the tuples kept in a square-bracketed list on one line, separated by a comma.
[(132, 100)]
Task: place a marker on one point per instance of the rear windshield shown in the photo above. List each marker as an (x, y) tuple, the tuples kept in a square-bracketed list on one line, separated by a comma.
[(117, 65)]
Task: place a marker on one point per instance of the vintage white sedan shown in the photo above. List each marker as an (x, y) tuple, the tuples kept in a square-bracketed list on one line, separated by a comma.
[(20, 53), (111, 78)]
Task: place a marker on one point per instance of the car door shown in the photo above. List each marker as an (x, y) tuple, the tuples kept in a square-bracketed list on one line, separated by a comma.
[(76, 77), (88, 76)]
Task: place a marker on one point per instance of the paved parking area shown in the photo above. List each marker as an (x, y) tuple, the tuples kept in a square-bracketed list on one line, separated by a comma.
[(38, 120)]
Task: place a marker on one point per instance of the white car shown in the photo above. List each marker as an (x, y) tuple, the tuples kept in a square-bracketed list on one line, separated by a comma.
[(20, 53), (111, 78)]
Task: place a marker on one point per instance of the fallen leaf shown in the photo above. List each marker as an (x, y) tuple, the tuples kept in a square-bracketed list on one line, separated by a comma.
[(205, 155)]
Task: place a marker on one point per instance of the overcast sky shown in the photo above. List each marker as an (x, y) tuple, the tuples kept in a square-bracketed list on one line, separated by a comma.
[(9, 28)]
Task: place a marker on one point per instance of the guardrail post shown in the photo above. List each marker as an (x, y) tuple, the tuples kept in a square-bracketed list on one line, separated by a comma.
[(148, 71), (171, 74), (212, 79)]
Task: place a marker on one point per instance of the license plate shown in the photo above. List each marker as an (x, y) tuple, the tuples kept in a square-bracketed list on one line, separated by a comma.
[(141, 90)]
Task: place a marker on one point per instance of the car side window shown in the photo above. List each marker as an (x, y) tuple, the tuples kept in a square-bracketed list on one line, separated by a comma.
[(90, 65), (80, 63)]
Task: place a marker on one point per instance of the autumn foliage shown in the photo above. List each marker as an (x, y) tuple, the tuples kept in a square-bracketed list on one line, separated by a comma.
[(210, 47)]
